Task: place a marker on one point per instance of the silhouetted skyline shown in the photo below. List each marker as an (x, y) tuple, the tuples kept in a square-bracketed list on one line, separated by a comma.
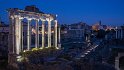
[(110, 12)]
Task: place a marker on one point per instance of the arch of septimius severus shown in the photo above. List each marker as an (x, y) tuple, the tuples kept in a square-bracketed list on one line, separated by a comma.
[(16, 30)]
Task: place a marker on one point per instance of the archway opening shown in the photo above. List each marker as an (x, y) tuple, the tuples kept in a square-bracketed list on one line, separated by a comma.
[(121, 63)]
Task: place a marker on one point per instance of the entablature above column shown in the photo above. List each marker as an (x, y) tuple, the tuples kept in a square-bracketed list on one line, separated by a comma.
[(29, 14)]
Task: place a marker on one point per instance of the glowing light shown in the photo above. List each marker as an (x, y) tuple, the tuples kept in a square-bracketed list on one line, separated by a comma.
[(52, 31), (82, 55), (19, 58), (34, 49), (45, 32), (33, 30), (24, 51), (57, 48), (85, 53), (41, 48), (88, 51), (46, 47)]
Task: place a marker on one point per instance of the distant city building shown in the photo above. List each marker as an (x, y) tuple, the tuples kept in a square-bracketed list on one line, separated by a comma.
[(75, 31), (122, 27), (99, 26), (115, 32), (96, 26), (119, 32), (104, 27)]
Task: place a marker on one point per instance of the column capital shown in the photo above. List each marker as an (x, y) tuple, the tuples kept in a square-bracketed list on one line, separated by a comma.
[(55, 21), (12, 17), (49, 19), (21, 18), (37, 20), (33, 18), (29, 19), (16, 16), (42, 19)]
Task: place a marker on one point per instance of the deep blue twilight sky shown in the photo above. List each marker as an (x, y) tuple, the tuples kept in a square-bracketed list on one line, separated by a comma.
[(110, 12)]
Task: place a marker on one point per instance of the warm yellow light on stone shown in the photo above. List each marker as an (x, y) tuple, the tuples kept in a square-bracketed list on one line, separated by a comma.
[(52, 31), (57, 48), (24, 51), (34, 49), (41, 48), (46, 47)]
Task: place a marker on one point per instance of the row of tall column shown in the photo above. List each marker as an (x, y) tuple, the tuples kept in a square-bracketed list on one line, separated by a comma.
[(119, 33), (49, 33), (17, 34), (37, 34)]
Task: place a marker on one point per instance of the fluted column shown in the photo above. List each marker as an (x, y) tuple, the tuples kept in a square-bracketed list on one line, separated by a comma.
[(118, 33), (20, 45), (28, 35), (55, 29), (37, 34), (17, 34), (13, 34), (11, 46), (22, 36), (59, 45), (43, 35), (59, 34), (49, 33)]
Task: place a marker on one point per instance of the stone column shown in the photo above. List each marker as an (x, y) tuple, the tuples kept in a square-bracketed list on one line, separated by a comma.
[(118, 33), (13, 34), (17, 44), (55, 29), (59, 34), (43, 35), (59, 45), (22, 35), (11, 46), (28, 35), (49, 33), (117, 63), (37, 34)]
